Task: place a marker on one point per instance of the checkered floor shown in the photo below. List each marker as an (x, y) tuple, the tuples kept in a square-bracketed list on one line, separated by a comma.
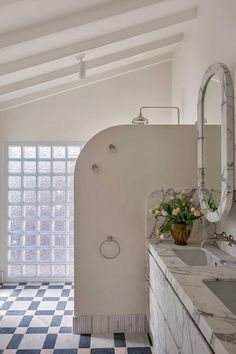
[(37, 318)]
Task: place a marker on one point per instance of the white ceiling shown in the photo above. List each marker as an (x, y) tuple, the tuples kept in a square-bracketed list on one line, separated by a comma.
[(40, 39)]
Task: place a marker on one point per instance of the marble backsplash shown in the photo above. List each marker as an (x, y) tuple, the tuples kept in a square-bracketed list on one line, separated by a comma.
[(201, 228), (228, 225)]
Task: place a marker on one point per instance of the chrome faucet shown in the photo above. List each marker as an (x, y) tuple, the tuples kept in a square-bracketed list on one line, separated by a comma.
[(220, 237)]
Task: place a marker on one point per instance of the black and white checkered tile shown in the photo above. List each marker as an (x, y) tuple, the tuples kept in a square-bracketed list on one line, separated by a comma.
[(37, 318)]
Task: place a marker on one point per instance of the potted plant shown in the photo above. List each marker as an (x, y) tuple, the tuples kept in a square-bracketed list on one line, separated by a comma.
[(178, 214)]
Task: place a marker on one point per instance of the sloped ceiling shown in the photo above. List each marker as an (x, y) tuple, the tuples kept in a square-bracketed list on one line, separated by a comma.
[(40, 41)]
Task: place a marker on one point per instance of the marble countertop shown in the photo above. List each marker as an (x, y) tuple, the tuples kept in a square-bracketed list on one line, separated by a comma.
[(215, 321)]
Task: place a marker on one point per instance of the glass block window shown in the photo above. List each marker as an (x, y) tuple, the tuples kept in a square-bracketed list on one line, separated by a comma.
[(40, 211)]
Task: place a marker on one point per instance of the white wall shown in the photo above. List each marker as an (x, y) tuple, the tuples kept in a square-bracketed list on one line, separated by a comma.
[(79, 114), (112, 202), (210, 40)]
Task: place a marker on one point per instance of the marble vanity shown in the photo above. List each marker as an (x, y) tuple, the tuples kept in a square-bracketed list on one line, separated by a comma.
[(191, 290), (184, 315)]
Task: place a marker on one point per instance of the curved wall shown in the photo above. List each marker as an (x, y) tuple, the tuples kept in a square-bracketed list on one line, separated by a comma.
[(112, 202)]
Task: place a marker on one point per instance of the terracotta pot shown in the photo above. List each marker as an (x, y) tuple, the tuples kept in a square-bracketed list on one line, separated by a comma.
[(180, 233)]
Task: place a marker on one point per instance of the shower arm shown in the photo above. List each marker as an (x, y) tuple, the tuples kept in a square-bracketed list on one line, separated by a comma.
[(165, 107)]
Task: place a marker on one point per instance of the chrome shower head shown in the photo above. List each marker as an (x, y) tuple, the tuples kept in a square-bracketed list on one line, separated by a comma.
[(140, 119)]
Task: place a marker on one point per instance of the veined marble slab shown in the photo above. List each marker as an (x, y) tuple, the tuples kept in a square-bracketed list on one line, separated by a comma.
[(215, 321)]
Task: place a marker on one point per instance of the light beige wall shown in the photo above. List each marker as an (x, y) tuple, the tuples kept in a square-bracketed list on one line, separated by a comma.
[(112, 202), (79, 114), (210, 40)]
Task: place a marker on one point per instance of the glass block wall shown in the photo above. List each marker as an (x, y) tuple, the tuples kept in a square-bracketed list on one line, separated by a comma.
[(40, 211)]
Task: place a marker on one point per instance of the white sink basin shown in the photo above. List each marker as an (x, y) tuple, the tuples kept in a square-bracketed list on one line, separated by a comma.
[(225, 290), (198, 257)]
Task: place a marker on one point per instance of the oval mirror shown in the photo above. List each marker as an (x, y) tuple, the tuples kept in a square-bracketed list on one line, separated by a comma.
[(216, 142)]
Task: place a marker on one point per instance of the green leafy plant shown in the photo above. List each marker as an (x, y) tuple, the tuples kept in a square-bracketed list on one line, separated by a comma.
[(212, 204), (179, 209)]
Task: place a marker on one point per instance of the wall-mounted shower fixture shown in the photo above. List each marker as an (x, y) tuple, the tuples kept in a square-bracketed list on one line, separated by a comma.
[(95, 167), (112, 148), (140, 119)]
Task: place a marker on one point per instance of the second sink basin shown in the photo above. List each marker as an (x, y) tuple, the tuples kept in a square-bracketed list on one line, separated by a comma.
[(198, 257), (225, 290)]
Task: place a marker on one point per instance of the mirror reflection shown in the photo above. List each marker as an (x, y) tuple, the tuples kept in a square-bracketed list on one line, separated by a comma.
[(212, 142)]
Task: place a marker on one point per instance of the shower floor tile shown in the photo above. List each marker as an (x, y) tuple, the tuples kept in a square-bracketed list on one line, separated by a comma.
[(37, 318)]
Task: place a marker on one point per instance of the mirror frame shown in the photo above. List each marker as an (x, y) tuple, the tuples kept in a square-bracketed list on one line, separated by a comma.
[(227, 143)]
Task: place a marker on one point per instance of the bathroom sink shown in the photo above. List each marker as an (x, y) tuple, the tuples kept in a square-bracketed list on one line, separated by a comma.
[(198, 257), (225, 290)]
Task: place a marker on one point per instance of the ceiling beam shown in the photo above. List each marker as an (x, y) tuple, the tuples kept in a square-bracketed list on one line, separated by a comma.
[(91, 44), (92, 64), (75, 20), (44, 93)]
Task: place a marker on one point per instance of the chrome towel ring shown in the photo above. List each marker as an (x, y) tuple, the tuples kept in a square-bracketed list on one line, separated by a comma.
[(105, 244)]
